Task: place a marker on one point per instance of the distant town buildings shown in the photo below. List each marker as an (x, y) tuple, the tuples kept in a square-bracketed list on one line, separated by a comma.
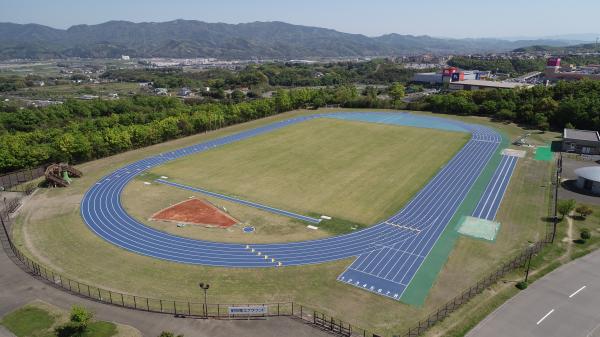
[(450, 74), (555, 72)]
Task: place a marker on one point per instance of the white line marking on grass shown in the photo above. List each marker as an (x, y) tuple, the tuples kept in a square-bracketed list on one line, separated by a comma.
[(577, 291), (543, 318)]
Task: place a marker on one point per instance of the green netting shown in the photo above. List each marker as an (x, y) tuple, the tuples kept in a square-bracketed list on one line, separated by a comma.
[(416, 292), (543, 153), (478, 228)]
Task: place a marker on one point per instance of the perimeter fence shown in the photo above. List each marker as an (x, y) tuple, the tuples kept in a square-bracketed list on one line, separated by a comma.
[(21, 181), (259, 310)]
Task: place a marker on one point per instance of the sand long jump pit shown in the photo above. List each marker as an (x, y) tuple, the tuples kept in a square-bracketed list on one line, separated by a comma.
[(195, 212)]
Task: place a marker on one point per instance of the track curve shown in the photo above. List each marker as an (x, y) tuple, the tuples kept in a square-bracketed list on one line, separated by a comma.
[(413, 229)]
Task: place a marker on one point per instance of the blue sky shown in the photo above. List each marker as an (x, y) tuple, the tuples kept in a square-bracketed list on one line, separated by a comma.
[(449, 18)]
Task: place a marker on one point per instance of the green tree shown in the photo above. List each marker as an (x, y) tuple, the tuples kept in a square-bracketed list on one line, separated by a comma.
[(396, 92), (565, 207), (584, 211), (79, 317)]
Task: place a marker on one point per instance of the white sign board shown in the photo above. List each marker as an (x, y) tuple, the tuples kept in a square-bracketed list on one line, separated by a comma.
[(248, 310)]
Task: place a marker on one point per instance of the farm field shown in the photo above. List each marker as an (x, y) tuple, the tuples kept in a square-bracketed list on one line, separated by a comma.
[(50, 229)]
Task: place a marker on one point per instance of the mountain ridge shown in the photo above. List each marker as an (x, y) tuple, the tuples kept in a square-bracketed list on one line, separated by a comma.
[(262, 40)]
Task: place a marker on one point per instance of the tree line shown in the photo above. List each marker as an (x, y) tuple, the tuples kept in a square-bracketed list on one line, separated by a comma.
[(78, 131), (566, 104), (517, 66)]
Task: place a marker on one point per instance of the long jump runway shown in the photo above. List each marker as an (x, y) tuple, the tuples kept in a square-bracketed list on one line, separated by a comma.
[(388, 254)]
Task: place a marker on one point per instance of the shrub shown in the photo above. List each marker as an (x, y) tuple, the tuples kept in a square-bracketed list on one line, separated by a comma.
[(81, 315), (585, 234), (70, 329), (584, 211), (522, 285)]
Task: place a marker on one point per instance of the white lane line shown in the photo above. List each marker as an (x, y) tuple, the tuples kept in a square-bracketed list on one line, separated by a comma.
[(543, 318), (576, 292)]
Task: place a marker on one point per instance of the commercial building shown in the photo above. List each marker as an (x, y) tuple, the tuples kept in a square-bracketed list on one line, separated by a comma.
[(450, 74), (555, 72), (481, 84), (581, 141)]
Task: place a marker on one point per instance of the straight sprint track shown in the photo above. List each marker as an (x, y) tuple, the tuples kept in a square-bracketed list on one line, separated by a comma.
[(388, 254)]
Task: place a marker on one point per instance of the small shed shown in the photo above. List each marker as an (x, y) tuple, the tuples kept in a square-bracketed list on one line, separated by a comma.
[(581, 141)]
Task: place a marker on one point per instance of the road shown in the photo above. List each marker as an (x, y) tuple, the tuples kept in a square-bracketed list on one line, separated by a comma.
[(564, 303)]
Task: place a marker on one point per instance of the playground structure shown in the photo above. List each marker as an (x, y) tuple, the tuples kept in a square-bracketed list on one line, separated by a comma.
[(59, 175)]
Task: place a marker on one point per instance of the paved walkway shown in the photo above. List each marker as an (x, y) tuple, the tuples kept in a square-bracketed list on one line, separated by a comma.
[(18, 288), (563, 303)]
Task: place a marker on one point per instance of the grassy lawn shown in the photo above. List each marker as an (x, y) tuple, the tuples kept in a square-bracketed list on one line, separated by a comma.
[(50, 229), (28, 321), (591, 222), (39, 319), (317, 167), (362, 172)]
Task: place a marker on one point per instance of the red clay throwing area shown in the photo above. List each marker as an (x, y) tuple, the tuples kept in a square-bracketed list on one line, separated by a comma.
[(197, 212)]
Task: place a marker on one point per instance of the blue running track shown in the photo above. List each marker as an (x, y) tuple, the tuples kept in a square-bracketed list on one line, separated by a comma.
[(388, 254), (492, 197)]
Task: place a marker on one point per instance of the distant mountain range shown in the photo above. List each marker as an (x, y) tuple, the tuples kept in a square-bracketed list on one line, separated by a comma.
[(262, 40), (578, 48)]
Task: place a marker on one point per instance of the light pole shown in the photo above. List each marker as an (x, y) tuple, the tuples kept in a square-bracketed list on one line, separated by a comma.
[(529, 263), (204, 286)]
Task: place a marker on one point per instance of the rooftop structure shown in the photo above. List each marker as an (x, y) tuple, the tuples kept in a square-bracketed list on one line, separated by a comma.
[(581, 141), (588, 179), (581, 135), (482, 84)]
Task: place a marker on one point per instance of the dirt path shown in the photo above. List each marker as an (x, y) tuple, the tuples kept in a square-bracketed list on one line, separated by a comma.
[(568, 239)]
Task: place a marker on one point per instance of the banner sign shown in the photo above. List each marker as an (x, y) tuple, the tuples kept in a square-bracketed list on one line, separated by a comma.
[(248, 310)]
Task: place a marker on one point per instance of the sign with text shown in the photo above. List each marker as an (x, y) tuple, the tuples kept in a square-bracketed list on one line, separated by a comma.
[(248, 310)]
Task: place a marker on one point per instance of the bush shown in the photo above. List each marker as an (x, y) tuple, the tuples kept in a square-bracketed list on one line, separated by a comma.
[(168, 334), (522, 285), (585, 234), (584, 211), (70, 329), (81, 315)]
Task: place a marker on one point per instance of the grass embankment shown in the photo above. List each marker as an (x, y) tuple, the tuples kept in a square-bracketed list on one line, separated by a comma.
[(50, 230)]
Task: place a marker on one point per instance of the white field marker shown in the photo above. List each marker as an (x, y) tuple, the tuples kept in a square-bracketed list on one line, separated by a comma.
[(576, 292), (543, 318)]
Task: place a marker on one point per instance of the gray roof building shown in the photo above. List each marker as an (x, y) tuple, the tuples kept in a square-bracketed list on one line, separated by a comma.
[(581, 141)]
